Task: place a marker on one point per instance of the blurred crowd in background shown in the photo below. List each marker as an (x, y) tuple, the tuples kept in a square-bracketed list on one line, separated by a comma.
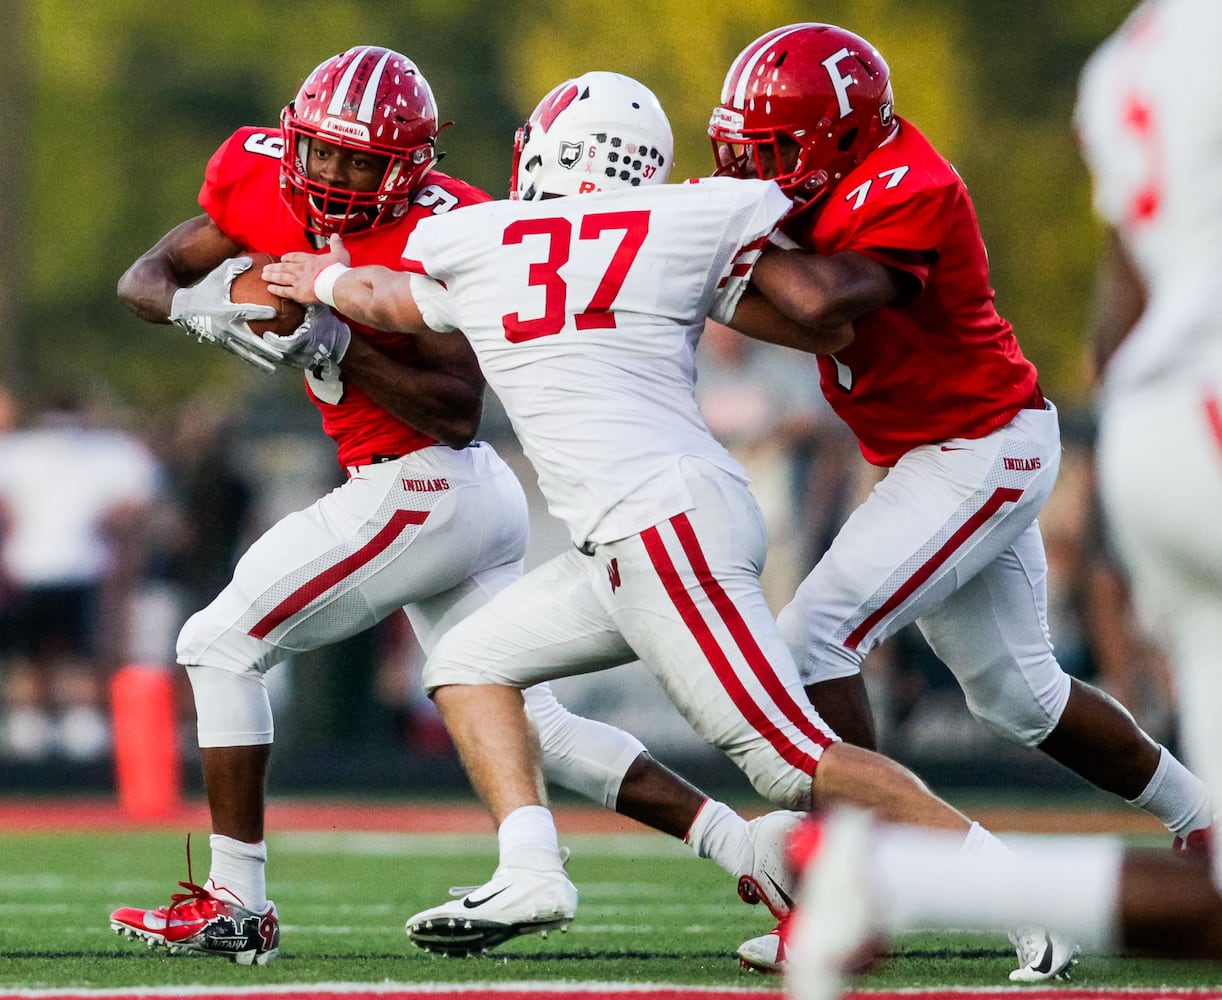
[(138, 525)]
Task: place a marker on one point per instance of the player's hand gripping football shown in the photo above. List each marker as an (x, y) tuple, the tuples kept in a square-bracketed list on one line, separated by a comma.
[(323, 337), (293, 275), (206, 311)]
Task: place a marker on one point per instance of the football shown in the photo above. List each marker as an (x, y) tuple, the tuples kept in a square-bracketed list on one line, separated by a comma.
[(249, 286)]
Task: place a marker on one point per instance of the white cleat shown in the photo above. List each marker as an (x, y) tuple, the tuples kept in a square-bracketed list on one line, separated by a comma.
[(765, 953), (516, 901), (1042, 955), (772, 880)]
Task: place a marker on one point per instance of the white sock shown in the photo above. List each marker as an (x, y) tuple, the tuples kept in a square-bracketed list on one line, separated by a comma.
[(932, 878), (1175, 796), (719, 833), (238, 871), (527, 839)]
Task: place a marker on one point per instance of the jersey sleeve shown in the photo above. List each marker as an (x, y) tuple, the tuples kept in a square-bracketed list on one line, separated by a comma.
[(236, 183), (904, 232), (753, 223), (433, 301), (432, 298)]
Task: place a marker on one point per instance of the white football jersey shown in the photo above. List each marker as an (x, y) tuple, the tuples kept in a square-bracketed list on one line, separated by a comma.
[(585, 312), (1149, 118)]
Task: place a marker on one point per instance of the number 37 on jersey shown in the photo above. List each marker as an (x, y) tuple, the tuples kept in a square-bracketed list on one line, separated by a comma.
[(564, 241)]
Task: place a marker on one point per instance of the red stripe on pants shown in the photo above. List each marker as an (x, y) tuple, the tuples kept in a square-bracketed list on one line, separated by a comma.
[(713, 653), (329, 577), (909, 586)]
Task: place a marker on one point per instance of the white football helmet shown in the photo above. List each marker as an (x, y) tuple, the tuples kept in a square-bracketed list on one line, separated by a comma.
[(598, 132)]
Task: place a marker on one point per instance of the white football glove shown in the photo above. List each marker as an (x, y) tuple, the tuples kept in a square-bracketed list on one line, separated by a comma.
[(206, 311), (322, 337)]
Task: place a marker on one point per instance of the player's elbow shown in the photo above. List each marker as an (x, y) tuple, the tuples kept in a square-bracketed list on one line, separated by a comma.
[(123, 289), (830, 339), (461, 429)]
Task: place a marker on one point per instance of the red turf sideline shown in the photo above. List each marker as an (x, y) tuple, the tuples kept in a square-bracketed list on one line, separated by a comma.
[(18, 815), (380, 816)]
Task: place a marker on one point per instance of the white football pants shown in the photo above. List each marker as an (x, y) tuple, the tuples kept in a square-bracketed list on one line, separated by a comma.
[(436, 533), (948, 540), (683, 597)]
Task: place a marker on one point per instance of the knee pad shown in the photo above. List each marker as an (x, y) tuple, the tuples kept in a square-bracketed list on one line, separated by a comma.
[(783, 785), (206, 637), (818, 657), (1022, 708), (584, 756), (231, 709)]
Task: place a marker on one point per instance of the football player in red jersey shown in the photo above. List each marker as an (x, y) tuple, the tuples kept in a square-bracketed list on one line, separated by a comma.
[(426, 521), (938, 392)]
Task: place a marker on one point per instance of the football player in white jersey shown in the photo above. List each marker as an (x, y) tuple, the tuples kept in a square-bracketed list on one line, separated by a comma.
[(584, 313), (1149, 119)]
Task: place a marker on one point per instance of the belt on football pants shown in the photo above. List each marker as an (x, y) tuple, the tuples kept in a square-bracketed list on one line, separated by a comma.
[(372, 460)]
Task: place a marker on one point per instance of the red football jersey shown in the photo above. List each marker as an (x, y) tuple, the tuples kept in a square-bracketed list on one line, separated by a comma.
[(241, 192), (940, 363)]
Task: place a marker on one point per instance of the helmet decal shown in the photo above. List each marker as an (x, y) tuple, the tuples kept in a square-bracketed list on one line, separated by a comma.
[(598, 132), (803, 105), (570, 154), (553, 104)]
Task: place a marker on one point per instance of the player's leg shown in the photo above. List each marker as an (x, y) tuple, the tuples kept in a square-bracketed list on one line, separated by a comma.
[(1159, 481), (686, 595), (316, 577), (937, 518), (546, 624), (946, 539), (865, 881), (992, 634), (613, 768)]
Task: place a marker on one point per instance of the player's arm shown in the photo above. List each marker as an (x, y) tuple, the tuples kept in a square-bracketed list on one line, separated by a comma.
[(184, 279), (1119, 300), (759, 319), (440, 394), (824, 292), (371, 295), (179, 259)]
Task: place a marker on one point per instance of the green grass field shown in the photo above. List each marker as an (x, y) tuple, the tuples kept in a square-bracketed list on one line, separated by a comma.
[(649, 913)]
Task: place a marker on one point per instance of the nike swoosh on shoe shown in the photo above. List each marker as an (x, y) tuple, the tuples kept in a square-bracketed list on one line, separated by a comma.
[(785, 898), (470, 903)]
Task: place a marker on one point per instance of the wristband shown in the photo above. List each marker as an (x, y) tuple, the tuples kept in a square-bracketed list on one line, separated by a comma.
[(324, 282)]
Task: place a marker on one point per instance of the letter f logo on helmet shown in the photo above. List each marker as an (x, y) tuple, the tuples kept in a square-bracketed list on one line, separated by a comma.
[(802, 105), (840, 82)]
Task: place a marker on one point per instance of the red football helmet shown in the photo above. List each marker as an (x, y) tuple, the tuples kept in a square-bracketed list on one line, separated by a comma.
[(369, 99), (802, 105)]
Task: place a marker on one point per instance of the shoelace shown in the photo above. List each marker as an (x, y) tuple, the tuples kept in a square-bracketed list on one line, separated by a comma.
[(195, 894)]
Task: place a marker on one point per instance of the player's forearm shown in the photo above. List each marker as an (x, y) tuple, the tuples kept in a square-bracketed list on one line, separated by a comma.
[(377, 296), (758, 318), (147, 289), (180, 258), (446, 405), (823, 292)]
